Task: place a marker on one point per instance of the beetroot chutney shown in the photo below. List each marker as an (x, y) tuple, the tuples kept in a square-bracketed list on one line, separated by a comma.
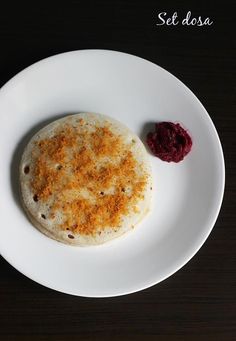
[(169, 142)]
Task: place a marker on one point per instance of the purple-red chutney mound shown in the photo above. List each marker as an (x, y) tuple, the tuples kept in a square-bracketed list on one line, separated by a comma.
[(170, 142)]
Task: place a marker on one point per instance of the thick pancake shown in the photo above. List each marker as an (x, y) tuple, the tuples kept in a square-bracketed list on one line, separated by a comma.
[(85, 179)]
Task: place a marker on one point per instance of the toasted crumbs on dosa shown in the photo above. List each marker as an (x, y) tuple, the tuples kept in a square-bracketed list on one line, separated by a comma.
[(93, 175)]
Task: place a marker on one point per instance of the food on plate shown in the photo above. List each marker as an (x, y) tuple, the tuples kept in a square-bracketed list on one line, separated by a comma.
[(85, 179), (169, 142)]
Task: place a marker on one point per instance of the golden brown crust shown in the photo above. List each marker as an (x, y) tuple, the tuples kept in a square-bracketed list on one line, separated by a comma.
[(87, 175)]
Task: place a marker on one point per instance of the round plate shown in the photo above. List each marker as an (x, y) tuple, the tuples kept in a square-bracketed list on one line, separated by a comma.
[(186, 196)]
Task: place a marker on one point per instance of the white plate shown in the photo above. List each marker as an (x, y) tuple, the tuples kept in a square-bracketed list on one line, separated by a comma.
[(186, 196)]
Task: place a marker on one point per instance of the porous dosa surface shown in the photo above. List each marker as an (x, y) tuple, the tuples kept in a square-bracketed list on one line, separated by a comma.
[(85, 179)]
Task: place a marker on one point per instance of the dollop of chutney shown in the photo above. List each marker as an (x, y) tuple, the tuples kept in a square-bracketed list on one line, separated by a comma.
[(169, 142)]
